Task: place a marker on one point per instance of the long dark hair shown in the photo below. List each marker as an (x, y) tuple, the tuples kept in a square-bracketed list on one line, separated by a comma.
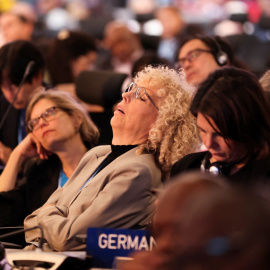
[(236, 102), (68, 46)]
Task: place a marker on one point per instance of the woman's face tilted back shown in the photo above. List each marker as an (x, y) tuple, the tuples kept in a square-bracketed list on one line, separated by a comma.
[(58, 130), (134, 117)]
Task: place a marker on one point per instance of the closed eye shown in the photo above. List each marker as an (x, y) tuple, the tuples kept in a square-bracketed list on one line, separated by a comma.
[(142, 99)]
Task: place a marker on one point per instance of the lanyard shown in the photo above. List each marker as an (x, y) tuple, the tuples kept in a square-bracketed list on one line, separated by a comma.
[(62, 178), (94, 173)]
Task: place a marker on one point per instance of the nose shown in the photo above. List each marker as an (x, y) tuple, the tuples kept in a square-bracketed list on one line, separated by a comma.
[(209, 141), (186, 64), (127, 96), (42, 122)]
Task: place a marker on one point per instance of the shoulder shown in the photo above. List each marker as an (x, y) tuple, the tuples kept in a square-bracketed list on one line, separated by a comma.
[(190, 161), (142, 166)]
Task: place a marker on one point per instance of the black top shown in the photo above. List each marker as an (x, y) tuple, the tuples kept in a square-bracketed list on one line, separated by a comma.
[(40, 180), (117, 150), (255, 171)]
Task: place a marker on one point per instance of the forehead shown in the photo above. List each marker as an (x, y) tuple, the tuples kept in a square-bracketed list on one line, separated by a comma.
[(206, 123), (41, 106), (147, 85), (8, 18), (192, 45)]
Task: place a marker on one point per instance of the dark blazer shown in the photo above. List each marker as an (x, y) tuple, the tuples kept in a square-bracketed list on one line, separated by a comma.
[(254, 173), (39, 182)]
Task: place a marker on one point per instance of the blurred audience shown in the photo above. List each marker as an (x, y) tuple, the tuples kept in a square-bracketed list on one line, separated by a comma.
[(172, 25), (55, 17), (21, 74), (17, 23), (73, 58), (148, 58), (233, 118), (200, 55), (122, 48), (60, 133), (200, 223), (112, 185), (174, 30)]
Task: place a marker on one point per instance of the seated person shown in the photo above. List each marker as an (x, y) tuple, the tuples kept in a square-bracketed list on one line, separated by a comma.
[(196, 228), (111, 187), (15, 59), (17, 23), (200, 55), (233, 118), (60, 134)]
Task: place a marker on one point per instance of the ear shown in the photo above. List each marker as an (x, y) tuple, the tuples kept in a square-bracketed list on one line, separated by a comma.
[(77, 120)]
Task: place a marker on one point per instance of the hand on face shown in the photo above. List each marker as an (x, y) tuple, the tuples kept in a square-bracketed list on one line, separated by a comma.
[(4, 153), (31, 147)]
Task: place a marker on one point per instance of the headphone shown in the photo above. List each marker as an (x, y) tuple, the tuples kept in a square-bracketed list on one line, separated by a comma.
[(216, 168), (221, 57)]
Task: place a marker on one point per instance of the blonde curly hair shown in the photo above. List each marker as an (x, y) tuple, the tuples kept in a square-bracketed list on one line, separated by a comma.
[(175, 132)]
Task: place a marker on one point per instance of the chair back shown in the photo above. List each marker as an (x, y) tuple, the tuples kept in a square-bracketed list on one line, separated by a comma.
[(100, 87)]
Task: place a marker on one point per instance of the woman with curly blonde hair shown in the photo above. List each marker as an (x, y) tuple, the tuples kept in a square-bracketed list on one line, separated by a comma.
[(112, 186), (175, 132)]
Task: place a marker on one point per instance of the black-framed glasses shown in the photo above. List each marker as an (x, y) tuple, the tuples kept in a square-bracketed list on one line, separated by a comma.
[(47, 116), (139, 92), (192, 55)]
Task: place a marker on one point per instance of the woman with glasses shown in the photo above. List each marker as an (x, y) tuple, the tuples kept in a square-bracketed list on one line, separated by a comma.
[(60, 133), (111, 187)]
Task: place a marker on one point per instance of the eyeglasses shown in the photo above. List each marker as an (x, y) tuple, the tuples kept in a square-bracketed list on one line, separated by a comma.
[(139, 92), (47, 116), (192, 55)]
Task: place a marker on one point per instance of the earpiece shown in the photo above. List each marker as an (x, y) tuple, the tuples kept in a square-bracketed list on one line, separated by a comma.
[(221, 57), (216, 168)]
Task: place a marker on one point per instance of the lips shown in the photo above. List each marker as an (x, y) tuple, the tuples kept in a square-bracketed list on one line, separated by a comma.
[(119, 109), (45, 133)]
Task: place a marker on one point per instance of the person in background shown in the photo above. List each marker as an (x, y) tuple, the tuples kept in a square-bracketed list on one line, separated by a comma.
[(201, 223), (121, 48), (18, 23), (233, 118), (172, 25), (174, 30), (21, 74), (111, 187), (148, 58), (60, 133), (200, 55), (74, 59)]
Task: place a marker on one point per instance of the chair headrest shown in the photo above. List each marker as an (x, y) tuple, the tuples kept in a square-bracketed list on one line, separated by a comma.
[(100, 87)]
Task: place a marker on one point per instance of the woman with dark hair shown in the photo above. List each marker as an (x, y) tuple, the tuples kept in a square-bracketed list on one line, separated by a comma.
[(233, 118), (199, 55), (74, 51)]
